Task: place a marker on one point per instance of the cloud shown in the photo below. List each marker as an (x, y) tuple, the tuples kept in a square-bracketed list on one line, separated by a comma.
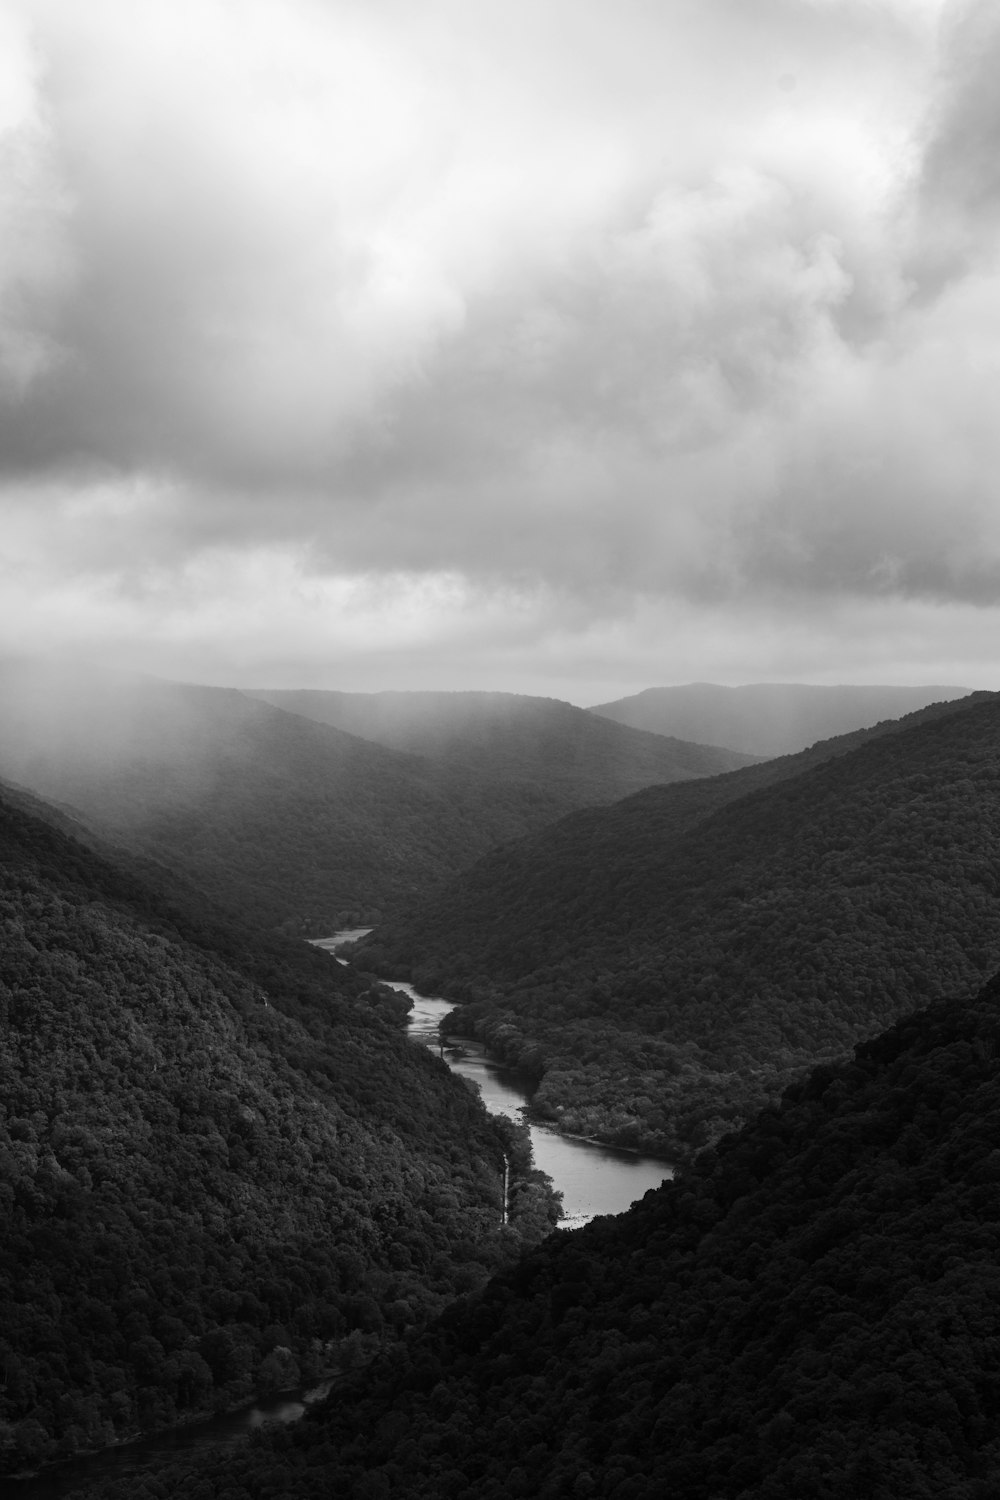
[(548, 310), (958, 205)]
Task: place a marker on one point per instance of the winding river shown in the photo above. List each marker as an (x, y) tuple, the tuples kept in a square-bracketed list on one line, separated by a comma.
[(593, 1178)]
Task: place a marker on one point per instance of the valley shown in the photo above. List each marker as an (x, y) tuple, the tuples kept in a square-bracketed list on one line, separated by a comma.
[(589, 1177), (505, 492), (667, 966), (296, 822), (231, 1165), (811, 1311)]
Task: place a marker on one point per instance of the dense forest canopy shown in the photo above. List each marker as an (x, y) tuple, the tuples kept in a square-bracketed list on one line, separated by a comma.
[(667, 964), (813, 1310), (223, 1167)]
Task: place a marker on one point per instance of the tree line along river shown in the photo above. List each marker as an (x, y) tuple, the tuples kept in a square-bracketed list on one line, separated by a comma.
[(593, 1179)]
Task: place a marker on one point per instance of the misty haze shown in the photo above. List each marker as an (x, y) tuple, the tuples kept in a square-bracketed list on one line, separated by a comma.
[(499, 750)]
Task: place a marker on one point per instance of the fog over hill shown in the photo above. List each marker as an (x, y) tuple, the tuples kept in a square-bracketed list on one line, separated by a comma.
[(767, 718), (665, 963), (298, 821), (511, 736), (294, 821)]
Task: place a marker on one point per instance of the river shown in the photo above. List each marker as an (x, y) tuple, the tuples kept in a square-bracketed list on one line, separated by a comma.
[(593, 1178)]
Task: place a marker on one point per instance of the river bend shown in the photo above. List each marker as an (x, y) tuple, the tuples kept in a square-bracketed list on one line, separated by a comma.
[(593, 1178)]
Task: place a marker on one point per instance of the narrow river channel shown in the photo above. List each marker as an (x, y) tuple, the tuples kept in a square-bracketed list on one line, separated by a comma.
[(593, 1178)]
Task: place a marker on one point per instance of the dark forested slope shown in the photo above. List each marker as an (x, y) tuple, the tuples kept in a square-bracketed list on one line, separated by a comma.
[(812, 1311), (569, 754), (767, 718), (678, 955), (222, 1165)]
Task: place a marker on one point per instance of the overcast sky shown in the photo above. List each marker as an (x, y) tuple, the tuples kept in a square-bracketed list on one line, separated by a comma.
[(562, 346)]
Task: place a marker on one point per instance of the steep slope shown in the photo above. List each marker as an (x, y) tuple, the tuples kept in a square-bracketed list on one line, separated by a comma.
[(667, 963), (512, 737), (813, 1311), (222, 1165), (297, 822), (767, 718)]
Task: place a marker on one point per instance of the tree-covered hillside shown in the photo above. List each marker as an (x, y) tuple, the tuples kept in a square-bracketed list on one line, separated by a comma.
[(812, 1311), (222, 1165), (576, 757), (668, 963), (297, 822)]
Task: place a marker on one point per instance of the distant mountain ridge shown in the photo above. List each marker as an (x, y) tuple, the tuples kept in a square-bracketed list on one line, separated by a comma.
[(292, 821), (768, 718), (512, 736), (297, 821), (668, 962)]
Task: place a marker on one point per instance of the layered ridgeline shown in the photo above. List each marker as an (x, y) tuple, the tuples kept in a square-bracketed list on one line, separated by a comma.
[(510, 737), (222, 1165), (666, 964), (813, 1311), (298, 822), (767, 718)]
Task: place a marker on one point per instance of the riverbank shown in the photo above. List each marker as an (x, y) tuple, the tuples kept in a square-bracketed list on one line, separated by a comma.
[(551, 1098), (592, 1176), (137, 1455)]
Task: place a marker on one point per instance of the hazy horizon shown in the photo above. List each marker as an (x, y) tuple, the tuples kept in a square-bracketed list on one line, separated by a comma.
[(72, 674), (563, 349)]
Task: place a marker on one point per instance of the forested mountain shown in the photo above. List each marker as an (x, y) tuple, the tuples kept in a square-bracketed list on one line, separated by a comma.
[(298, 822), (560, 749), (767, 718), (665, 965), (222, 1165), (813, 1311)]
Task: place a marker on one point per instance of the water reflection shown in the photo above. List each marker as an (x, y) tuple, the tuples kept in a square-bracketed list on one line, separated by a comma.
[(593, 1178)]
